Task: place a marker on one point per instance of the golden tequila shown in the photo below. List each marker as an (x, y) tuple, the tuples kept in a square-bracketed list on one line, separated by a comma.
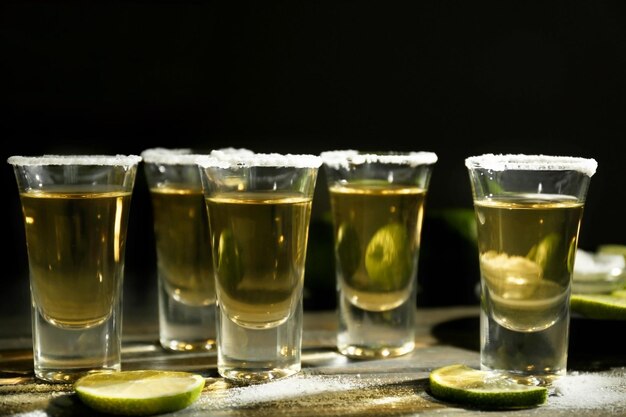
[(527, 247), (259, 247), (184, 260), (377, 240), (76, 241)]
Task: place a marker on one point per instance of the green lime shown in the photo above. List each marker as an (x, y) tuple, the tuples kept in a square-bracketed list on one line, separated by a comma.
[(600, 306), (388, 258), (229, 265), (459, 220), (461, 384), (348, 249), (619, 293), (542, 252), (139, 393)]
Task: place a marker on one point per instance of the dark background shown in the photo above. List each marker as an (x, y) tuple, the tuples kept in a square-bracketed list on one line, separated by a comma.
[(456, 78)]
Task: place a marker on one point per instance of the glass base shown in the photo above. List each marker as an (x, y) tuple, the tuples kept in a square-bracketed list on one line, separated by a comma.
[(380, 352), (532, 358), (258, 355), (543, 380), (69, 376), (366, 334), (256, 376), (189, 346), (185, 328), (64, 355)]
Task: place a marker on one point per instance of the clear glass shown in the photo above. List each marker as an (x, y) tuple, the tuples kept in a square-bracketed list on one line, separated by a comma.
[(259, 210), (528, 213), (75, 211), (185, 279), (377, 203)]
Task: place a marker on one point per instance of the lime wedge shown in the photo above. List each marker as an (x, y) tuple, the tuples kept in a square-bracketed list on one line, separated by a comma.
[(461, 384), (600, 306), (139, 393)]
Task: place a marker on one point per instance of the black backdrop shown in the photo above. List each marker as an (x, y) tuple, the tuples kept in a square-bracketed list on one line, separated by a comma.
[(457, 78)]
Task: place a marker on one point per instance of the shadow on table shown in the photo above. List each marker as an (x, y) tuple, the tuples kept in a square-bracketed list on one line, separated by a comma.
[(593, 344), (461, 332), (69, 405)]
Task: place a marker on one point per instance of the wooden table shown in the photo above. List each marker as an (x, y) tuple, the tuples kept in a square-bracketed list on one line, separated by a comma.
[(332, 385)]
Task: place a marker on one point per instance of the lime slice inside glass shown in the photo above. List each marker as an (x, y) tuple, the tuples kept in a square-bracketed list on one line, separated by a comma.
[(388, 258), (139, 393)]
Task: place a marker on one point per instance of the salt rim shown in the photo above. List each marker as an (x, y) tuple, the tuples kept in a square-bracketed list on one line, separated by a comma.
[(228, 152), (124, 160), (238, 160), (171, 156), (187, 156), (344, 158), (540, 162)]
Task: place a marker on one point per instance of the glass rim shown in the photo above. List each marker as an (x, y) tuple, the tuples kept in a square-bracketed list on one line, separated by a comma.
[(532, 162), (74, 159), (169, 156), (344, 158), (276, 160)]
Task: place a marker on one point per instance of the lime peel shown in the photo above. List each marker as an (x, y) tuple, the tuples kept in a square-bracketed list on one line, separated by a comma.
[(461, 384), (600, 306), (139, 393)]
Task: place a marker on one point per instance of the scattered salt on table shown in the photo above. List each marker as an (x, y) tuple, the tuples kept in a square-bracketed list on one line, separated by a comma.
[(579, 390)]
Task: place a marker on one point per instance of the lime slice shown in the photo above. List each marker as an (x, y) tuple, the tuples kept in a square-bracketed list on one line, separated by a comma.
[(139, 393), (600, 306), (461, 384), (388, 258)]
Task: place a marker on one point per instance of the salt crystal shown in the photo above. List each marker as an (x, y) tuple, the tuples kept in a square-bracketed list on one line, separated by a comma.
[(579, 390), (187, 156), (345, 158), (75, 160), (600, 263), (244, 160), (291, 388), (36, 413), (504, 162)]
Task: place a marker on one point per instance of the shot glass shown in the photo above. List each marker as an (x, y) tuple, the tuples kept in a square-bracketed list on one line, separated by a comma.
[(259, 210), (528, 211), (186, 285), (377, 204), (75, 211)]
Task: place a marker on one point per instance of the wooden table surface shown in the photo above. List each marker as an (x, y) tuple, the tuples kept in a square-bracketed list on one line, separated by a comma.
[(332, 385)]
